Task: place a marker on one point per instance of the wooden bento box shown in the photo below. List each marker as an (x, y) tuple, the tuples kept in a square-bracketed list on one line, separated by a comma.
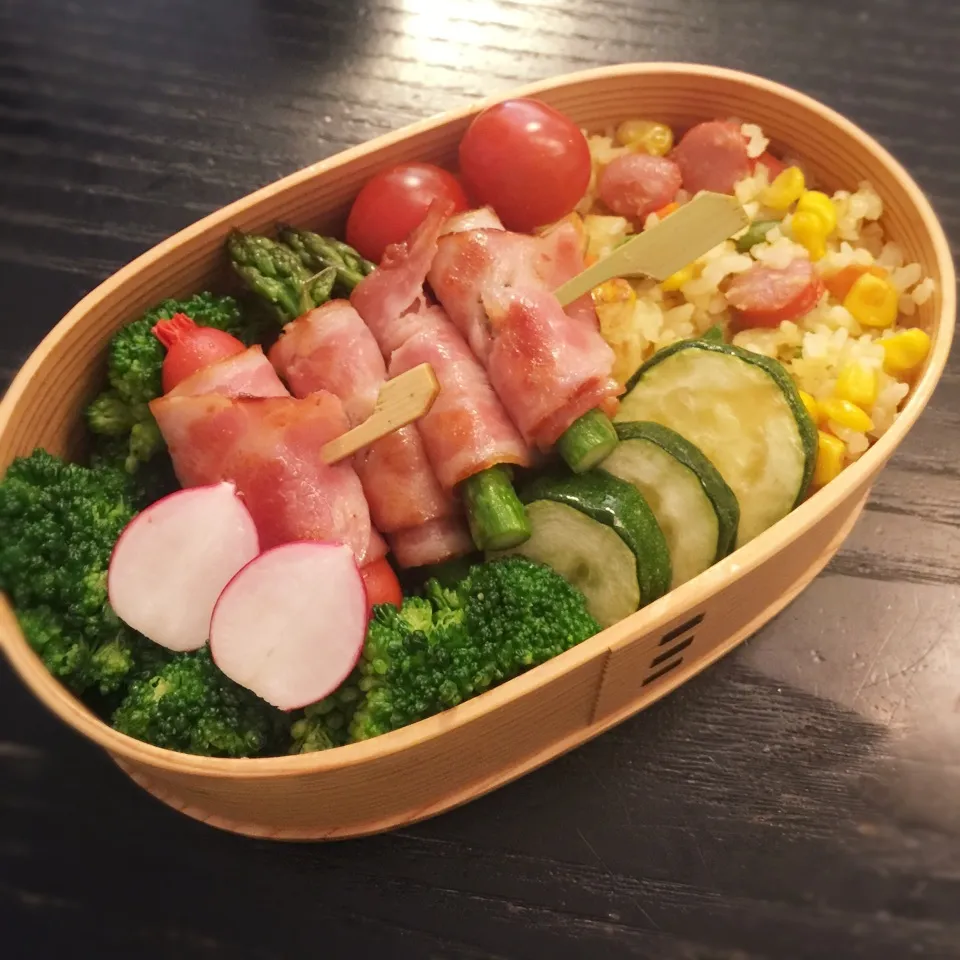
[(444, 761)]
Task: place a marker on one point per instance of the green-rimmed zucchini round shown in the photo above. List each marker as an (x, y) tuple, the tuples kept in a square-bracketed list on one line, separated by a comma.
[(745, 415), (696, 510), (599, 533)]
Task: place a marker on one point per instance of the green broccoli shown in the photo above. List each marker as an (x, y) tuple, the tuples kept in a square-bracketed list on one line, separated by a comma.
[(135, 359), (84, 666), (523, 611), (151, 481), (506, 616), (110, 416), (66, 657), (58, 524), (327, 724), (192, 707)]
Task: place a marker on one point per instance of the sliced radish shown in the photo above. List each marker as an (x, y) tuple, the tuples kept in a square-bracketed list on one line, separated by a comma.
[(173, 560), (290, 625)]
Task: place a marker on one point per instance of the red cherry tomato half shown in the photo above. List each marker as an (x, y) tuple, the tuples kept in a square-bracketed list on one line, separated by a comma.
[(191, 348), (381, 583), (527, 161), (394, 202)]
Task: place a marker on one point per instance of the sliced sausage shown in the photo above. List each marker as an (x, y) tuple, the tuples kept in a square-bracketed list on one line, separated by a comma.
[(712, 156), (636, 184), (766, 296), (774, 165)]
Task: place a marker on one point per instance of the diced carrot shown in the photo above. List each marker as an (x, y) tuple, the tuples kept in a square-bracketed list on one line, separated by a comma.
[(590, 259), (839, 283)]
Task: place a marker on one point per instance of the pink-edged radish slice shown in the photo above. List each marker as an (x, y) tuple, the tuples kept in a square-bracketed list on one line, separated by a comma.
[(173, 560), (290, 625)]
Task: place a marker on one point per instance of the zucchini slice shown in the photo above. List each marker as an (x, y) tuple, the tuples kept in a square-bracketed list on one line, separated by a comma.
[(587, 553), (694, 507), (745, 415), (605, 541)]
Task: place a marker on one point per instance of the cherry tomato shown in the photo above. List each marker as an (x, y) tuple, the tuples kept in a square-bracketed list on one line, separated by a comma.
[(394, 202), (381, 583), (527, 161), (191, 348)]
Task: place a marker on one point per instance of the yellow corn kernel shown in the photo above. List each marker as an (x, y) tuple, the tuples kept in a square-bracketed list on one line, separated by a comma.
[(830, 452), (813, 201), (676, 280), (873, 301), (617, 290), (858, 384), (807, 229), (905, 351), (813, 408), (647, 136), (786, 189), (846, 414)]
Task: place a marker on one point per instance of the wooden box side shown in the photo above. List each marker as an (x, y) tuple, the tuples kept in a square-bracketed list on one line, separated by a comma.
[(640, 670), (445, 766)]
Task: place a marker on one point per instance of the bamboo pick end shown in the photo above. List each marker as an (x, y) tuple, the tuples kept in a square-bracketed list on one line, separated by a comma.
[(678, 239), (401, 401)]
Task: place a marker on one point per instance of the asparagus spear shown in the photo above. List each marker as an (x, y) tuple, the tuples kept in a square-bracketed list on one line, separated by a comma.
[(587, 441), (275, 273), (318, 253), (495, 515)]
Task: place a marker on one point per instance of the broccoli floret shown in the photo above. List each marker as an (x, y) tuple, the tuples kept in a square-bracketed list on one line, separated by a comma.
[(523, 610), (191, 707), (134, 362), (82, 667), (110, 416), (123, 657), (416, 613), (134, 371), (506, 616), (67, 657), (58, 525), (151, 481), (408, 668), (60, 522), (327, 724)]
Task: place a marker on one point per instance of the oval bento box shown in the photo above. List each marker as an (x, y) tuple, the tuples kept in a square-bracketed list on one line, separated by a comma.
[(465, 752)]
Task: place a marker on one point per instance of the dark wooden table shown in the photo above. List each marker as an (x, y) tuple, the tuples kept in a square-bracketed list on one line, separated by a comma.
[(799, 800)]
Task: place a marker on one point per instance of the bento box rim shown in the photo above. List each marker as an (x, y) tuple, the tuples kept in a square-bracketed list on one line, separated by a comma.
[(676, 604)]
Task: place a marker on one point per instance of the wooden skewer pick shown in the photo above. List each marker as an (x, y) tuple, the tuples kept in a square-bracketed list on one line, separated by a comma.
[(401, 401), (681, 237)]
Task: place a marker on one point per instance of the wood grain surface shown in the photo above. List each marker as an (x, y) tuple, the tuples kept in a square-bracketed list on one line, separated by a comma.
[(799, 800)]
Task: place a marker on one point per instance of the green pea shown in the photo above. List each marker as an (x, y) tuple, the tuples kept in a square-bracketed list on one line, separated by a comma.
[(757, 233)]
